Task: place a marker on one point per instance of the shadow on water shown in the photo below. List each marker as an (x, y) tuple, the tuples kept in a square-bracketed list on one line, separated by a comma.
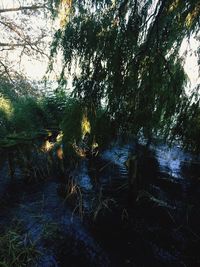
[(160, 230)]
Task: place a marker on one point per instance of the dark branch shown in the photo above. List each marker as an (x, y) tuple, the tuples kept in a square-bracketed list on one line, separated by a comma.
[(6, 71), (12, 44), (34, 7)]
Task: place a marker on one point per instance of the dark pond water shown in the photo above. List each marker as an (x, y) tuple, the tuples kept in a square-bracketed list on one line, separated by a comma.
[(97, 226)]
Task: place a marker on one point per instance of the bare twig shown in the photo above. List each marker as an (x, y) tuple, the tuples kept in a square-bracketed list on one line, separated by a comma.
[(21, 8)]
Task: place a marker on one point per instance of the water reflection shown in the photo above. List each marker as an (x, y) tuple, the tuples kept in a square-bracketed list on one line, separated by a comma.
[(171, 159)]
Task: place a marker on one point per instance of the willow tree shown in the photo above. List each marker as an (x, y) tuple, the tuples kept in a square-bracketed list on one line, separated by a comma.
[(126, 54)]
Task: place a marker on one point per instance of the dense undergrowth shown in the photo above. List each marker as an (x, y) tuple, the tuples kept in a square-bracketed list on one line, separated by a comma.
[(21, 111), (28, 114)]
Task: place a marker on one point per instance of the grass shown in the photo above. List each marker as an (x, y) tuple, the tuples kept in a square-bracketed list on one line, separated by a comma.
[(73, 195), (101, 204), (16, 248)]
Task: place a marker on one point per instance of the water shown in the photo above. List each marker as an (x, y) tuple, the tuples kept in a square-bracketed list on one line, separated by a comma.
[(171, 159), (149, 236), (117, 154), (39, 206)]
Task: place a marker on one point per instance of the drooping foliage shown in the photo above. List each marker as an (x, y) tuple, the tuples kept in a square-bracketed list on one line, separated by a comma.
[(126, 54), (71, 125), (188, 125), (84, 127)]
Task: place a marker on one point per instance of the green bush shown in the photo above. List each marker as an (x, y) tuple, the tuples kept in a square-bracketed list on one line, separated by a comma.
[(54, 106), (21, 111), (6, 112), (28, 115)]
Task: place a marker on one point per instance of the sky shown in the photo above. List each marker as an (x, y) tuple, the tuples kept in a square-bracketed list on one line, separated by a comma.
[(191, 63), (35, 69)]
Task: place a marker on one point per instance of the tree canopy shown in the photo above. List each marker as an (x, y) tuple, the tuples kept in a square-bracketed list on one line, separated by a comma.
[(126, 54), (24, 35)]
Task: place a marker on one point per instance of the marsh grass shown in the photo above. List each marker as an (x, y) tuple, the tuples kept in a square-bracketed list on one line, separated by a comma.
[(16, 248), (73, 195), (101, 204)]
